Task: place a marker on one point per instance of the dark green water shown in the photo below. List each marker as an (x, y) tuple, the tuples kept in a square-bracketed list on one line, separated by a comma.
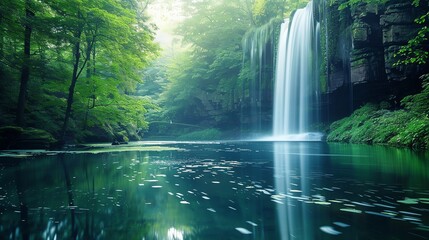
[(238, 190)]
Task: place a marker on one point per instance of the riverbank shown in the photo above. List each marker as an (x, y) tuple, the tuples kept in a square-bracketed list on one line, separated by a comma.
[(380, 124), (374, 124)]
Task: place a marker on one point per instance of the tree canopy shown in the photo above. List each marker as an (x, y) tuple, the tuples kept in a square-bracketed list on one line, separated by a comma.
[(85, 61)]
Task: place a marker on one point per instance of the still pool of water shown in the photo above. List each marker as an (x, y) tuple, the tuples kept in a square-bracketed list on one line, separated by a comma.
[(217, 190)]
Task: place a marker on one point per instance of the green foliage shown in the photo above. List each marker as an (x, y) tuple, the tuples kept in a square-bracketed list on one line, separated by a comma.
[(374, 124), (416, 50), (342, 130), (415, 134), (259, 7), (155, 80), (419, 103), (185, 75), (206, 134), (205, 77), (116, 43), (264, 10)]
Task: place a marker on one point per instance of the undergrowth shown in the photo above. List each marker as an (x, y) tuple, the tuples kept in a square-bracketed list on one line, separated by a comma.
[(374, 124)]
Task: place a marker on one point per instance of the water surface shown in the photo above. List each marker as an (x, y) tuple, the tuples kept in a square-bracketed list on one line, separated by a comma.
[(217, 190)]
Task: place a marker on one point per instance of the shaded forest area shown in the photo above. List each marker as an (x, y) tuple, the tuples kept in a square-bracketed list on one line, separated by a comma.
[(71, 67)]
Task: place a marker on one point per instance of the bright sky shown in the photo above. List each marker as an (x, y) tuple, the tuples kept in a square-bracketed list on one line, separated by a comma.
[(166, 14)]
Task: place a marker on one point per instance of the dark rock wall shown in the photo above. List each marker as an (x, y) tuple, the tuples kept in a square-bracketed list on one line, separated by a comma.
[(365, 39), (398, 27), (367, 55)]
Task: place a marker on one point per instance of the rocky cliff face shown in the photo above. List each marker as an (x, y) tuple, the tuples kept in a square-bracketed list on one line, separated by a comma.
[(397, 23), (367, 56), (361, 46)]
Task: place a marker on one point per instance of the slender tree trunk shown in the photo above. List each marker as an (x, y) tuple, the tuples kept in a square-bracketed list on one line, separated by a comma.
[(93, 57), (25, 70), (90, 44), (76, 73), (76, 53), (88, 56)]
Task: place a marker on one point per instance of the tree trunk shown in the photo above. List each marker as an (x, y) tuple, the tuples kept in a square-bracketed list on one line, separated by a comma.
[(88, 76), (93, 57), (75, 76), (88, 56), (76, 52), (25, 70)]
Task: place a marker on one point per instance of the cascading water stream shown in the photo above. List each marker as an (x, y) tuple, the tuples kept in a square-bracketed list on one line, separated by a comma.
[(258, 46), (296, 84)]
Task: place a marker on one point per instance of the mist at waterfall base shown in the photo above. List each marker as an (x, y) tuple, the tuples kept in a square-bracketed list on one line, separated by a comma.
[(296, 80)]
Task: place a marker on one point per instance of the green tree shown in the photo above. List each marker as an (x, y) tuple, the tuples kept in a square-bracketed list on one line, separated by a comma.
[(124, 45), (100, 47), (20, 35), (205, 78), (264, 10)]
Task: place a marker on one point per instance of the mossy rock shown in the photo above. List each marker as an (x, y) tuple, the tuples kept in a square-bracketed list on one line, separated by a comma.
[(12, 137)]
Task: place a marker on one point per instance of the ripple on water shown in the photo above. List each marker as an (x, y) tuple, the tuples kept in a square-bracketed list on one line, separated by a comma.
[(341, 224), (243, 230), (252, 223), (329, 230)]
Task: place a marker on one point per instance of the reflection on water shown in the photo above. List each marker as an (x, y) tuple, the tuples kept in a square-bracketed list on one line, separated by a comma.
[(291, 180), (347, 191), (218, 191), (174, 234)]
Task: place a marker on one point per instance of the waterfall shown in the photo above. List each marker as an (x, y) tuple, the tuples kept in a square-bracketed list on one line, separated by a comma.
[(296, 87), (258, 56)]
